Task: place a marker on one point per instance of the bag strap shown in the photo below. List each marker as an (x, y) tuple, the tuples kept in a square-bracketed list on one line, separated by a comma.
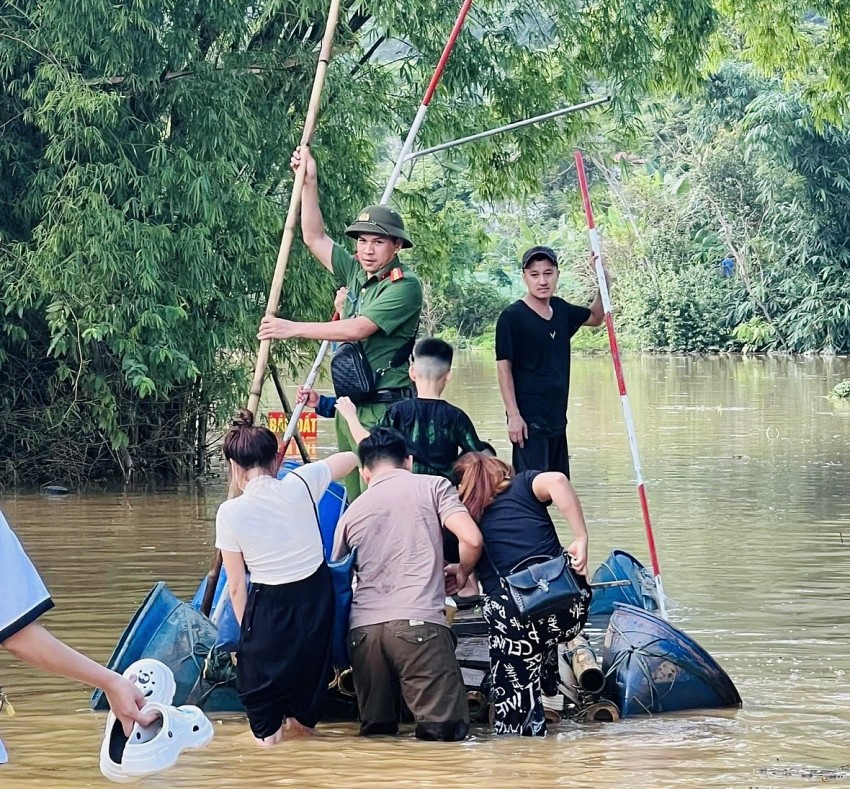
[(310, 494)]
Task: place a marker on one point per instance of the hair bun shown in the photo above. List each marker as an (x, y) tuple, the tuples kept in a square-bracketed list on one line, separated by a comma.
[(243, 418)]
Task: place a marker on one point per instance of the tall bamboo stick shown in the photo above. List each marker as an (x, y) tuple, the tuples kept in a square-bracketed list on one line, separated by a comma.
[(282, 257)]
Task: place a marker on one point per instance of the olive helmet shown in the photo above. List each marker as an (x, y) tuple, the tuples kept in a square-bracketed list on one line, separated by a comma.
[(380, 220)]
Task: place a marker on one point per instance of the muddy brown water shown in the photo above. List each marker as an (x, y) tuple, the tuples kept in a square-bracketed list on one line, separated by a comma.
[(748, 471)]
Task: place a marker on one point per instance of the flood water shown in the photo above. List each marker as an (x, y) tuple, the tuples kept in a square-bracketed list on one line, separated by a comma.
[(748, 472)]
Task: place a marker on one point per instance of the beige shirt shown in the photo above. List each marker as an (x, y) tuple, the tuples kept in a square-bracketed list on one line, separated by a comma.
[(395, 526)]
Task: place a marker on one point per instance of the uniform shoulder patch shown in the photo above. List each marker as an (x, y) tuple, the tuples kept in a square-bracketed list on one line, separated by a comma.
[(396, 274)]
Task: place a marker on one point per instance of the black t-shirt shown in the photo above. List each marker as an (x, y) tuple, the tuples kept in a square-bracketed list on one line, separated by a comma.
[(515, 527), (436, 431), (539, 353)]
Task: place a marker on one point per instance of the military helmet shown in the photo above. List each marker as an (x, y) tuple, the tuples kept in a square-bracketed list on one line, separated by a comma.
[(380, 220)]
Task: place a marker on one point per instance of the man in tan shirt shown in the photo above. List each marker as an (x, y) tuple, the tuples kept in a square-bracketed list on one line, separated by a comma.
[(398, 633)]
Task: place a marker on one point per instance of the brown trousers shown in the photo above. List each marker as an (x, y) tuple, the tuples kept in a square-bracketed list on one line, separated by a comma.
[(418, 660)]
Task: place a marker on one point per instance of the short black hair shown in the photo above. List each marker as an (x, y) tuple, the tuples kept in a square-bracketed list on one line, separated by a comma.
[(434, 348), (383, 444)]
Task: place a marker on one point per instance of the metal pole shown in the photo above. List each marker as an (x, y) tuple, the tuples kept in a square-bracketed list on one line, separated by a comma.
[(413, 155), (426, 100), (596, 246)]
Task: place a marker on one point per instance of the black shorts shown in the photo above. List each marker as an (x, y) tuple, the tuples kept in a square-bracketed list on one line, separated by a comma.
[(542, 452), (284, 658)]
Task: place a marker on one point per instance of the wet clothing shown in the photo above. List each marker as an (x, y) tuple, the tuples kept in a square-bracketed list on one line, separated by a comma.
[(417, 659), (396, 528), (437, 432), (399, 636), (23, 595), (539, 353), (515, 527), (284, 656), (517, 655)]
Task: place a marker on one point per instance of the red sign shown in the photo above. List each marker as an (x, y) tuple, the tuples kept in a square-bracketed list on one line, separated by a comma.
[(308, 424)]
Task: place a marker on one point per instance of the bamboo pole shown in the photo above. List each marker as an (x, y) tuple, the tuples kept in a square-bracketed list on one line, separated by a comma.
[(282, 257)]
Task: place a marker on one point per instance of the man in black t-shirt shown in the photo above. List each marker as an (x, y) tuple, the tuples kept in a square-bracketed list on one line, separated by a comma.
[(533, 362)]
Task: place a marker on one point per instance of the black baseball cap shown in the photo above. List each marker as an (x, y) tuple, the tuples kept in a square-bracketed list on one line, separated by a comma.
[(539, 252)]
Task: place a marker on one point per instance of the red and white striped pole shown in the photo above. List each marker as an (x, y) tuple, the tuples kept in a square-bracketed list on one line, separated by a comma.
[(596, 246), (426, 100)]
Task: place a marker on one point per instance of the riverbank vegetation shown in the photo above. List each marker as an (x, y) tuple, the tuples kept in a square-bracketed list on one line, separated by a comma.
[(143, 181)]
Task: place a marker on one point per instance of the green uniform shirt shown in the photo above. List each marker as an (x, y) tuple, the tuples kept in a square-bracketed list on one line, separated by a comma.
[(393, 304)]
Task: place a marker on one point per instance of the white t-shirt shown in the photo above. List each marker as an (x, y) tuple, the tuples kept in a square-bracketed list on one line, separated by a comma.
[(273, 525), (23, 595)]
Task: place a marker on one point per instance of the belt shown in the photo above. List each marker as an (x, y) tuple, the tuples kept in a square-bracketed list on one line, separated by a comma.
[(391, 395)]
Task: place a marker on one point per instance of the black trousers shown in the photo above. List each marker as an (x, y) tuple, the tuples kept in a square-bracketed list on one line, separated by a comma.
[(283, 664), (542, 452)]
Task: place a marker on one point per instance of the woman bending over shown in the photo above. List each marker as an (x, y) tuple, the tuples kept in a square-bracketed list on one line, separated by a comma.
[(511, 511), (283, 658)]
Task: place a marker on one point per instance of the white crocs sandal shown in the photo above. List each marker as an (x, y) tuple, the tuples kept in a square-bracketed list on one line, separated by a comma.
[(151, 749), (112, 752), (154, 679)]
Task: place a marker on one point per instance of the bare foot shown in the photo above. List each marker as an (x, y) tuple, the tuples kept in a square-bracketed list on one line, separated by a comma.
[(292, 728), (272, 739)]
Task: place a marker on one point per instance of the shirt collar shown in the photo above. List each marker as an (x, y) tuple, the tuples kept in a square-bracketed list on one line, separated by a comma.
[(381, 274), (388, 475)]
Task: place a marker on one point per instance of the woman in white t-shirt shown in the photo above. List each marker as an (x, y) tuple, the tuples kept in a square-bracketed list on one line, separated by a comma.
[(283, 659)]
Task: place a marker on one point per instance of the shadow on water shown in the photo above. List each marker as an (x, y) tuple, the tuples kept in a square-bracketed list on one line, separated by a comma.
[(748, 468)]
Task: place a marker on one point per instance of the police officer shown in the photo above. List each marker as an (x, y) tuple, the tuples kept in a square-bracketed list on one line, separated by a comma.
[(383, 303)]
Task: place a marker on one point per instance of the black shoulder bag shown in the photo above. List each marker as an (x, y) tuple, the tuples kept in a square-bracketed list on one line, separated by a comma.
[(352, 374), (542, 585)]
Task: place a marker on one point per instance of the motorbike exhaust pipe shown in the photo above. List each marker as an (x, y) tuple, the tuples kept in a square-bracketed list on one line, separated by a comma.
[(478, 706), (345, 683), (585, 666)]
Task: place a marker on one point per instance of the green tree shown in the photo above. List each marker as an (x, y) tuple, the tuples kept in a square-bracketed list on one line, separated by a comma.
[(143, 173)]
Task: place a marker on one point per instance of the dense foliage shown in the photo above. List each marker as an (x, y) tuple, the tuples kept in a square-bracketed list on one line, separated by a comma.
[(143, 178), (143, 181)]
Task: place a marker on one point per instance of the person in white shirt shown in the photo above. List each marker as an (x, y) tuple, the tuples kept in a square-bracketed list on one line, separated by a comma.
[(284, 653), (23, 599)]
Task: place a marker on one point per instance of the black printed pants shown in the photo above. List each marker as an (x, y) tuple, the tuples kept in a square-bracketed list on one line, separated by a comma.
[(517, 654)]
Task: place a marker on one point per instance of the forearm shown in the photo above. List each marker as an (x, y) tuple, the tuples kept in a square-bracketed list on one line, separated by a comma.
[(349, 330), (39, 648), (312, 222), (597, 311), (468, 555), (568, 504), (358, 432), (506, 387), (239, 599)]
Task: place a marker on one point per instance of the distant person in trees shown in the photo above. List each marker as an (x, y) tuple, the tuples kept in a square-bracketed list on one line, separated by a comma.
[(23, 599), (727, 266), (382, 305), (284, 654), (533, 364)]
